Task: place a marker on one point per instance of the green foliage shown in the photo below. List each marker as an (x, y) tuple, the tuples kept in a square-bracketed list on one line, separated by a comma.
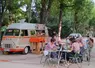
[(85, 14)]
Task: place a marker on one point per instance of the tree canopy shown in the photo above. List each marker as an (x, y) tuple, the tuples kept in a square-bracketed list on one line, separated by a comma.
[(74, 15)]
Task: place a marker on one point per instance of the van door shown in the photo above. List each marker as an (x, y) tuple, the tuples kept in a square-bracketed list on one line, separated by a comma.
[(24, 38)]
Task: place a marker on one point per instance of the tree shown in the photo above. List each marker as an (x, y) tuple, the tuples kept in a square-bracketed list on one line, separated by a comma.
[(13, 11), (2, 7), (63, 4), (82, 12), (71, 14), (60, 19), (29, 9), (45, 9)]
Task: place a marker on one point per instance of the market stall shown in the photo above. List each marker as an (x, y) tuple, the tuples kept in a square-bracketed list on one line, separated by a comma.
[(36, 44)]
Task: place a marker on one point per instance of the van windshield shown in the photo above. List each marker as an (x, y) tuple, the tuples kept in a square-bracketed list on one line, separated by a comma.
[(12, 32)]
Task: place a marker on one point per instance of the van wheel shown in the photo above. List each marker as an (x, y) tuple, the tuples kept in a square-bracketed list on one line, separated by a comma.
[(5, 53), (26, 50)]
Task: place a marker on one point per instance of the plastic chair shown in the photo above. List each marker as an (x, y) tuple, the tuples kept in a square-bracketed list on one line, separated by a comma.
[(76, 59), (46, 58)]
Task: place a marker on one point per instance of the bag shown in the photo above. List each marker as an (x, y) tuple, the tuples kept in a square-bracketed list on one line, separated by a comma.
[(46, 53), (91, 42)]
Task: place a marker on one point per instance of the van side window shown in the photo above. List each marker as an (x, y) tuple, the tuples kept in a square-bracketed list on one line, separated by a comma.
[(40, 33), (16, 32), (24, 33), (32, 32)]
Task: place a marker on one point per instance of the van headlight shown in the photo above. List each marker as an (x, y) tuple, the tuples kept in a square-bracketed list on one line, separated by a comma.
[(1, 43)]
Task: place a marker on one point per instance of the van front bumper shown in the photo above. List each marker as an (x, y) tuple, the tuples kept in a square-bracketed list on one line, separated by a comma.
[(12, 49)]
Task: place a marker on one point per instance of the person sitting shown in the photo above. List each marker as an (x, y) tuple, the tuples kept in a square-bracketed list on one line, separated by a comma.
[(51, 46), (75, 50), (75, 46), (69, 46), (79, 40)]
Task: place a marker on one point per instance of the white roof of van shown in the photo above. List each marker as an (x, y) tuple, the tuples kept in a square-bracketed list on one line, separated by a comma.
[(22, 26)]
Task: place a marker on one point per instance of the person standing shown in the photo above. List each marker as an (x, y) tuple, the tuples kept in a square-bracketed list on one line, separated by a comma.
[(90, 43)]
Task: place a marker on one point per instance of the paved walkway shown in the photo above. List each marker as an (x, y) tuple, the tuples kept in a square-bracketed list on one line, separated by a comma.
[(33, 61)]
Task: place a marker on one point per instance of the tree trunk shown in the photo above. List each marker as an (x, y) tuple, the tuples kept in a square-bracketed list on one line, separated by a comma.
[(60, 22), (10, 11), (94, 31), (29, 11), (75, 22), (0, 28), (2, 7), (43, 12), (48, 10)]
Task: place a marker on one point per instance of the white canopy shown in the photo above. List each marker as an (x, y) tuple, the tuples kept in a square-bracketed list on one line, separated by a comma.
[(22, 26)]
